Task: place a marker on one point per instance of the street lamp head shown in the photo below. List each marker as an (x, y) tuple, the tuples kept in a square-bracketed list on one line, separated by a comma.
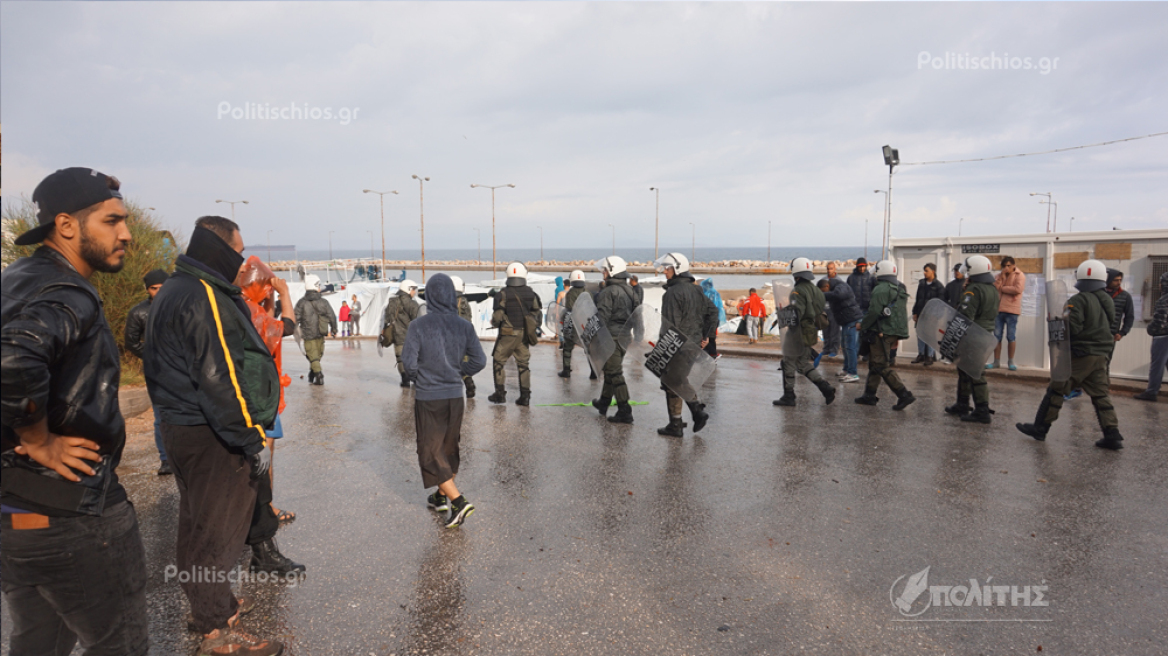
[(414, 177), (472, 186), (244, 202), (220, 201), (510, 185)]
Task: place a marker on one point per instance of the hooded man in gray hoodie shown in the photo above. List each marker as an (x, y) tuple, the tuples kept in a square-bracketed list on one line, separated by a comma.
[(433, 355)]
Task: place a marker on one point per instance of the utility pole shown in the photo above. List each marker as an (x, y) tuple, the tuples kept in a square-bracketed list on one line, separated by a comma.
[(382, 195), (657, 221), (422, 216), (494, 253)]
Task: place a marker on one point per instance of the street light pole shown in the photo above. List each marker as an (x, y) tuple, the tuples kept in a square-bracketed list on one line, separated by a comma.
[(1055, 204), (269, 247), (959, 223), (540, 244), (613, 238), (381, 194), (494, 253), (422, 218), (693, 242), (479, 232), (1072, 224), (328, 269), (1050, 197), (232, 204), (876, 191), (891, 160), (656, 221)]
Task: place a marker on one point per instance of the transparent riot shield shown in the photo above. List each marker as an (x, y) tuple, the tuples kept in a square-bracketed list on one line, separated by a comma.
[(787, 320), (591, 332), (296, 335), (553, 319), (1058, 332), (955, 337), (679, 362), (639, 334)]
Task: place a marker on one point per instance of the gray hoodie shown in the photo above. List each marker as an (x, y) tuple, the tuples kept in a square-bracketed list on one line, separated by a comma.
[(436, 344)]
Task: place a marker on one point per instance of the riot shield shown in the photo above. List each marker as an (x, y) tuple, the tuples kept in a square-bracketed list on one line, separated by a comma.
[(955, 337), (296, 335), (639, 334), (592, 333), (1058, 333), (679, 362), (553, 319), (787, 320)]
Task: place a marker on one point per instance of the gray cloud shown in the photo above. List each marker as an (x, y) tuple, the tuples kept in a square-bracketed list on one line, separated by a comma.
[(741, 113)]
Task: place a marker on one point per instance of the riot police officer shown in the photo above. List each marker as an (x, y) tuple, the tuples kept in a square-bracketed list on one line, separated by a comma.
[(576, 287), (517, 316), (885, 324), (614, 306), (686, 309), (464, 312), (1090, 315), (979, 304), (400, 311), (809, 303)]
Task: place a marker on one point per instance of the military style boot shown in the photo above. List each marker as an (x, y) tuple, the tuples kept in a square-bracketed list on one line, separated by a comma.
[(981, 415), (500, 396), (828, 391), (1039, 428), (320, 378), (961, 408), (867, 399), (787, 400), (524, 397), (266, 557), (676, 428), (1111, 440), (700, 416), (566, 373), (311, 377), (905, 398), (405, 380), (601, 405), (624, 414)]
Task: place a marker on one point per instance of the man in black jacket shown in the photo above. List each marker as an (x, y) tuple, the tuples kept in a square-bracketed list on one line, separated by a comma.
[(1125, 309), (862, 284), (615, 305), (956, 287), (73, 562), (135, 341), (217, 387), (846, 312), (514, 304), (685, 308), (928, 288)]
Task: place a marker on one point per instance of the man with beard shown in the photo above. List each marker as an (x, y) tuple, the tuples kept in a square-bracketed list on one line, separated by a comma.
[(217, 386), (135, 341), (73, 562), (686, 309), (316, 318)]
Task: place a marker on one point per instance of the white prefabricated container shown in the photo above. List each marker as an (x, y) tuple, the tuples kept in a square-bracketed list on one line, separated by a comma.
[(1142, 256)]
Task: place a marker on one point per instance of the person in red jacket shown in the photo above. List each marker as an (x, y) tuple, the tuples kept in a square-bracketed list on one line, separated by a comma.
[(346, 320), (755, 312)]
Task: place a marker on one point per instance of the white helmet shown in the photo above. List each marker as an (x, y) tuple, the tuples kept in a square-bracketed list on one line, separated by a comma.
[(407, 285), (516, 270), (312, 282), (1092, 270), (885, 268), (576, 276), (975, 265), (801, 268), (676, 261), (459, 286), (611, 264)]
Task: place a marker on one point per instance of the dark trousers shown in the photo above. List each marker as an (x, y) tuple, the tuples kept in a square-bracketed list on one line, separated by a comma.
[(881, 359), (1088, 373), (439, 427), (614, 378), (216, 502), (264, 523), (712, 347), (978, 387), (81, 579)]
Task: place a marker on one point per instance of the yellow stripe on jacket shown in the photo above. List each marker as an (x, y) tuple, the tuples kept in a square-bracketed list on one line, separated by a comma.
[(230, 363)]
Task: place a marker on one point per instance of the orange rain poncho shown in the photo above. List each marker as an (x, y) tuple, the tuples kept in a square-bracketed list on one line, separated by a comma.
[(255, 279)]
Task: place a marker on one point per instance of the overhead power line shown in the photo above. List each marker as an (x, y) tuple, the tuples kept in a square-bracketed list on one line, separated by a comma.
[(1045, 152)]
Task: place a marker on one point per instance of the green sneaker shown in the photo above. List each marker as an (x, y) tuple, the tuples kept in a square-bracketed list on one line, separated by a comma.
[(438, 502)]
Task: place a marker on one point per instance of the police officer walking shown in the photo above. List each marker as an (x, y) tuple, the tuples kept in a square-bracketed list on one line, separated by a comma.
[(400, 311), (615, 305), (1090, 317), (517, 316), (687, 310), (809, 303), (576, 287), (883, 326), (979, 304), (464, 312), (316, 319)]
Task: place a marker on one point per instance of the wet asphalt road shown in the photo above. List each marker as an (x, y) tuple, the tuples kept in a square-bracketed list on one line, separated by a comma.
[(777, 531)]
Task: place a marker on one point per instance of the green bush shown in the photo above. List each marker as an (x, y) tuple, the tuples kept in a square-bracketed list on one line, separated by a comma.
[(151, 248)]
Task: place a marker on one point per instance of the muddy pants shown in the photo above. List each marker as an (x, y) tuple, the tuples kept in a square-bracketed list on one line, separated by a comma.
[(880, 367), (439, 427), (967, 385), (314, 351), (614, 378), (507, 346), (1088, 373)]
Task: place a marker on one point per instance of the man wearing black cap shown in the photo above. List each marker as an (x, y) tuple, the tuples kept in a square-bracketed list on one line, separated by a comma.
[(217, 388), (74, 567), (135, 341)]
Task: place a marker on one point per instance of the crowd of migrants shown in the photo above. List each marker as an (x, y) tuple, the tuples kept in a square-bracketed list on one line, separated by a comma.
[(210, 337)]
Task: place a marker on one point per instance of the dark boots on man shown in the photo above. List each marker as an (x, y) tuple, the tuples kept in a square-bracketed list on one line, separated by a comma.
[(500, 396), (266, 557), (624, 414)]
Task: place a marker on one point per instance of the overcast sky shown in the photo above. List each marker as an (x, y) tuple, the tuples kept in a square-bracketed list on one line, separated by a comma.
[(740, 113)]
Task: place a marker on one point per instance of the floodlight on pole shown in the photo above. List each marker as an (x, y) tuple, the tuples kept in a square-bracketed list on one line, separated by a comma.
[(494, 253), (891, 160), (232, 204), (382, 195)]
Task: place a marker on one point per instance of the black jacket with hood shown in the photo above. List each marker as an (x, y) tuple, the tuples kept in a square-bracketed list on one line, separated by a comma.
[(687, 309), (58, 361), (862, 284), (437, 343), (616, 302), (205, 363), (843, 303), (315, 316)]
